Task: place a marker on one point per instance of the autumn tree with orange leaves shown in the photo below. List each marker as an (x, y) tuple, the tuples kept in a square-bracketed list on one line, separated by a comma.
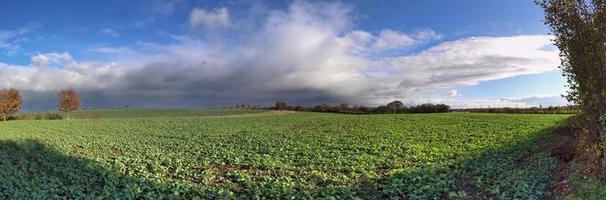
[(10, 102), (69, 101)]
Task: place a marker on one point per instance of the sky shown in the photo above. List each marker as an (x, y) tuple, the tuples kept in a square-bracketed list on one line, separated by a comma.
[(180, 53)]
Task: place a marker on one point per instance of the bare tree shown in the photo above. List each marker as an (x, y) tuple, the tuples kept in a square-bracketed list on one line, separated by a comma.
[(579, 27), (10, 102), (69, 101)]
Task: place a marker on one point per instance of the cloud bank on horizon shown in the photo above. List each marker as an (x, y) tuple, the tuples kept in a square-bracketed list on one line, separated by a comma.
[(305, 53)]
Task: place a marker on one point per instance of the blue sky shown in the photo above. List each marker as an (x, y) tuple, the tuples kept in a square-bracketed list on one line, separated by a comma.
[(179, 53)]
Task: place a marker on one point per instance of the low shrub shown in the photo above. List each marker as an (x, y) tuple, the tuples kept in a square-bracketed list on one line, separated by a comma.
[(54, 116), (22, 117)]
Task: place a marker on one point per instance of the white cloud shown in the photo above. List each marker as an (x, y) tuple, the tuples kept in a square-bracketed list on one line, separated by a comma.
[(453, 93), (459, 103), (113, 50), (153, 10), (202, 18), (427, 35), (52, 59), (389, 39), (472, 60), (10, 39), (308, 53), (164, 7), (512, 102), (538, 100), (110, 32), (10, 34)]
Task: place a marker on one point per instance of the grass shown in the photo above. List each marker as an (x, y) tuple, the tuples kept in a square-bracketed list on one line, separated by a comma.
[(228, 154), (139, 113), (586, 187)]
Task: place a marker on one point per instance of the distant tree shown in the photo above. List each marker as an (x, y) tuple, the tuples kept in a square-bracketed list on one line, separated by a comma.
[(281, 105), (10, 102), (579, 27), (344, 108), (395, 106), (382, 110), (363, 109), (321, 108), (429, 108), (442, 108), (69, 101)]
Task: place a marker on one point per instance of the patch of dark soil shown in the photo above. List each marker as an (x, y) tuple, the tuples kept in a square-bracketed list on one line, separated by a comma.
[(466, 184), (560, 185), (567, 130), (589, 155), (565, 152)]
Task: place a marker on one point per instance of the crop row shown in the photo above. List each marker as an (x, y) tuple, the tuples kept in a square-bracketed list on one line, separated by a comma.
[(303, 155)]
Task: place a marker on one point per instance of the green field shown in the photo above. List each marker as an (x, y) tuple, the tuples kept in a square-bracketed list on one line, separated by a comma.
[(252, 154), (140, 113)]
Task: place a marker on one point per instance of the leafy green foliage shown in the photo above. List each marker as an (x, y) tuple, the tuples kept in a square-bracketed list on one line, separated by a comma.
[(277, 155), (585, 187), (579, 28)]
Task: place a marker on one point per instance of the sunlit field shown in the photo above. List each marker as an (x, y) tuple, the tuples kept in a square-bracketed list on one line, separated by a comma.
[(254, 154)]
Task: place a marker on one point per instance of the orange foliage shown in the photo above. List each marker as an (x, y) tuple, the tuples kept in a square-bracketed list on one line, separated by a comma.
[(69, 101), (10, 102)]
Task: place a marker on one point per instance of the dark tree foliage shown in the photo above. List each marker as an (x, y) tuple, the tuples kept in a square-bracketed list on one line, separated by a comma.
[(240, 106), (395, 106), (344, 107), (531, 110), (383, 109), (579, 27), (390, 108), (430, 108), (280, 105)]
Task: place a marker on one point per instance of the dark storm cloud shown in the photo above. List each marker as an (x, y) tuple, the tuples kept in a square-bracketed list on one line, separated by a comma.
[(307, 54)]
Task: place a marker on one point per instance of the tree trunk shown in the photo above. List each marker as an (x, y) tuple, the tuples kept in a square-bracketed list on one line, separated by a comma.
[(68, 115), (596, 128), (4, 117), (601, 131)]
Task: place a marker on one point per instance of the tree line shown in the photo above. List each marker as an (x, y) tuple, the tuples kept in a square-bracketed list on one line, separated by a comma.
[(11, 102), (390, 108), (240, 106), (530, 110)]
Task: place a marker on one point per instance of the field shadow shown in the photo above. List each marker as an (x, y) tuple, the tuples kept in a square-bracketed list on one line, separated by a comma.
[(518, 171), (31, 170)]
